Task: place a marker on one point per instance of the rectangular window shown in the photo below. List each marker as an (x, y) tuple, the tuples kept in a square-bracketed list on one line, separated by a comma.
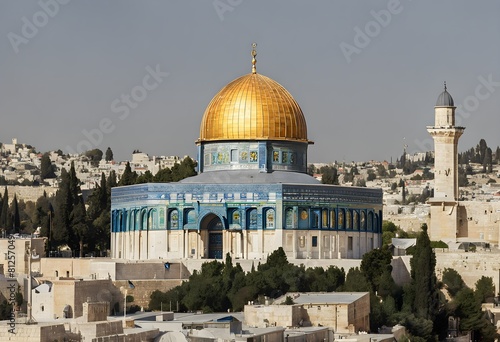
[(349, 243), (276, 156), (254, 156), (284, 157), (315, 241), (234, 155)]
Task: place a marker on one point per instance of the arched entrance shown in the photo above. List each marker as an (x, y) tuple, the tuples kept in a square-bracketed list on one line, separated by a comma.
[(212, 227)]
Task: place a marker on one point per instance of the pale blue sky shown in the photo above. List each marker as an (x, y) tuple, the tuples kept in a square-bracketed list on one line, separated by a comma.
[(63, 77)]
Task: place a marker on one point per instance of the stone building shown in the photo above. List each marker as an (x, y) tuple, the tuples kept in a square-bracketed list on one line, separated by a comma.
[(252, 194), (345, 313)]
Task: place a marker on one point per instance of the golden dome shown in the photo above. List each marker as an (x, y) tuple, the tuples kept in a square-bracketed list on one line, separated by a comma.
[(253, 107)]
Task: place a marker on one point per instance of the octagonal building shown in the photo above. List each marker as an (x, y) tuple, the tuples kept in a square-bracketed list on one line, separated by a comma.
[(252, 193)]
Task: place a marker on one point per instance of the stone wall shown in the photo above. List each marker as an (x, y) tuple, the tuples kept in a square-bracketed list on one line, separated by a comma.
[(34, 333), (142, 291), (29, 193), (150, 270), (265, 315), (480, 221), (471, 266), (53, 268)]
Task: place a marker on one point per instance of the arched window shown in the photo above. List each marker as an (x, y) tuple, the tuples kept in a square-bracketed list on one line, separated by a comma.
[(341, 219), (191, 216), (289, 219), (370, 221), (123, 220), (252, 219), (375, 224), (315, 218), (332, 218), (152, 219), (144, 219), (348, 219), (324, 218), (137, 224), (355, 220), (270, 218), (236, 217), (131, 220), (173, 219), (363, 220)]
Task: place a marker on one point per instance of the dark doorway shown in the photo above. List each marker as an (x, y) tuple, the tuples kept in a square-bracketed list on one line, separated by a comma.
[(213, 224), (215, 246)]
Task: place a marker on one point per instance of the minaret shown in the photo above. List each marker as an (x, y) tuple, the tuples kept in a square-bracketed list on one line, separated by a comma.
[(444, 213)]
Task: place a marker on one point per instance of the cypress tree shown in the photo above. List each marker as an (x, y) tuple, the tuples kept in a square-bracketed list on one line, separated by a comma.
[(78, 228), (16, 219), (46, 167), (60, 232), (128, 177), (4, 213), (109, 154), (426, 292)]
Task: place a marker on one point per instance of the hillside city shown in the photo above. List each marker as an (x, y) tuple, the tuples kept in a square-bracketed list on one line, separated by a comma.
[(407, 184)]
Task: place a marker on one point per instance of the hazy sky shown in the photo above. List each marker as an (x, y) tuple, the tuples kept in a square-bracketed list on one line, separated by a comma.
[(139, 74)]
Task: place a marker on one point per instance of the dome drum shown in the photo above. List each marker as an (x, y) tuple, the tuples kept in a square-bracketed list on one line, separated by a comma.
[(264, 156)]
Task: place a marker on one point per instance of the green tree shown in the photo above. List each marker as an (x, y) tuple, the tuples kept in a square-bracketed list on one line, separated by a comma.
[(111, 182), (95, 156), (488, 161), (99, 207), (355, 281), (453, 281), (128, 177), (46, 167), (311, 169), (4, 214), (329, 175), (109, 155), (43, 216), (381, 171), (163, 176), (374, 264), (16, 218), (5, 310), (277, 258), (371, 175), (485, 290), (69, 226), (423, 263), (146, 177), (472, 318), (389, 230), (186, 168)]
